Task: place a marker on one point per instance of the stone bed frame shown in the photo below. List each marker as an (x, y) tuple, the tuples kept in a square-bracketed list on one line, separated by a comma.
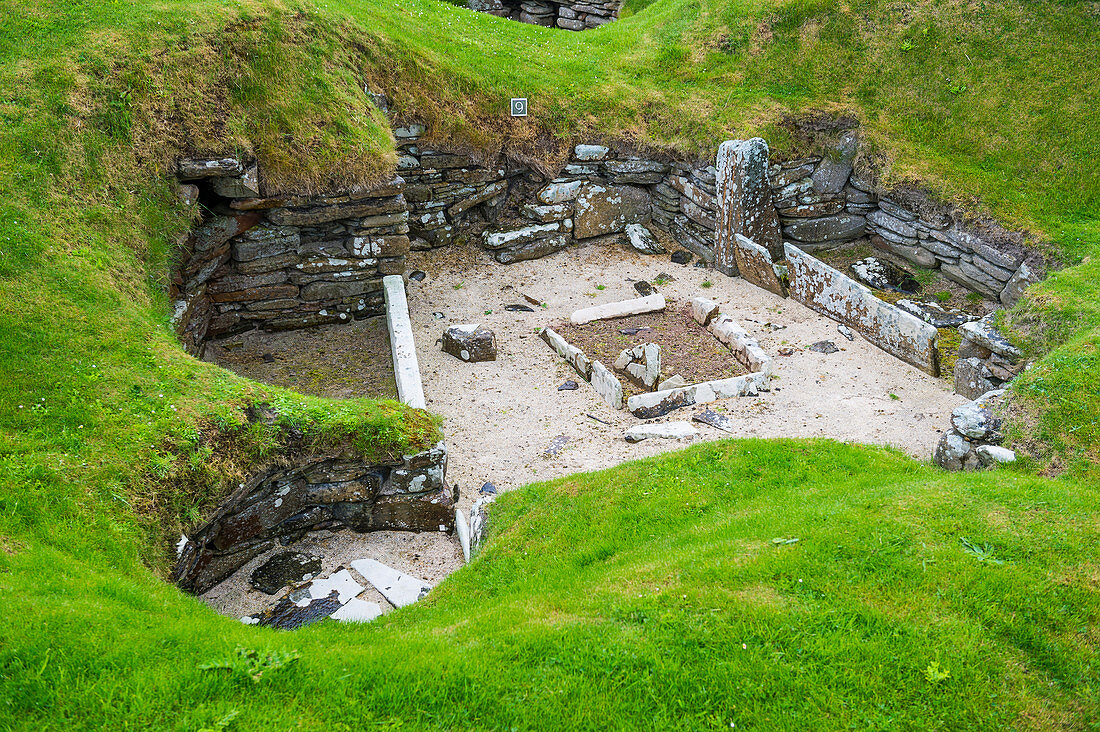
[(658, 403)]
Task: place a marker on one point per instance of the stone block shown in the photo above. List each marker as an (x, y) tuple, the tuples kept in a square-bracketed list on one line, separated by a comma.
[(643, 240), (607, 385), (829, 292), (755, 265), (636, 306), (470, 342), (602, 210)]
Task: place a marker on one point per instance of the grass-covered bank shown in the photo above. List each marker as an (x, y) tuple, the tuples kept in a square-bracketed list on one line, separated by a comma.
[(100, 410), (650, 596)]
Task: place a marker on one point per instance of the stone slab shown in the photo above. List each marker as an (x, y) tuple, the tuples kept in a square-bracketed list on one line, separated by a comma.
[(607, 385), (399, 588), (744, 201), (406, 368), (755, 265), (575, 356), (637, 306), (837, 296), (661, 430)]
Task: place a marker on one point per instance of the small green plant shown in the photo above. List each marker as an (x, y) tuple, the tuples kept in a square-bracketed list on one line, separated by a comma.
[(458, 285), (973, 298), (943, 296), (706, 283), (223, 722), (488, 312), (660, 281), (895, 397), (601, 287), (906, 45), (252, 663), (981, 552), (936, 673)]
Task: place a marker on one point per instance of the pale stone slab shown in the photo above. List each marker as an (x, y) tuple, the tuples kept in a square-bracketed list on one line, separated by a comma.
[(357, 611), (703, 310), (399, 588), (463, 531), (661, 430), (658, 403), (342, 582), (835, 295), (607, 385), (637, 306), (569, 352), (406, 369)]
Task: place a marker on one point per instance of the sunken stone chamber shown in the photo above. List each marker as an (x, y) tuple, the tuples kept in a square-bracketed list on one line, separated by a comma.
[(279, 263), (281, 503)]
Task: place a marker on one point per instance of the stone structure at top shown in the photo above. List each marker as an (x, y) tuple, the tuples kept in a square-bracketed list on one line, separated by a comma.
[(571, 14)]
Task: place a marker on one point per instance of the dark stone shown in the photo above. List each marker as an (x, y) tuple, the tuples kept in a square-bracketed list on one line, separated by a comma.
[(843, 227), (519, 309), (681, 257), (556, 445), (488, 489), (633, 331), (287, 615), (880, 275), (824, 347), (284, 568), (470, 343), (643, 288), (533, 249), (714, 419), (417, 275), (569, 385), (268, 358)]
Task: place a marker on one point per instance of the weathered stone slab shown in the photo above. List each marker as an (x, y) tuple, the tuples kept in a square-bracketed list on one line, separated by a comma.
[(524, 235), (246, 185), (569, 352), (642, 364), (839, 228), (532, 250), (643, 240), (660, 403), (399, 588), (703, 310), (406, 368), (637, 306), (604, 210), (755, 265), (590, 152), (560, 192), (824, 289), (661, 430), (984, 333), (744, 202), (607, 386), (194, 169)]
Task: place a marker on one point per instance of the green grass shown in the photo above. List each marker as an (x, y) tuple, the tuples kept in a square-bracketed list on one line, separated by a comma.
[(650, 596), (576, 616)]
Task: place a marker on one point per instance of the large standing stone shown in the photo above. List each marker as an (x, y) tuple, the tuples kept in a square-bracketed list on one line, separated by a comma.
[(471, 343), (744, 202), (604, 210)]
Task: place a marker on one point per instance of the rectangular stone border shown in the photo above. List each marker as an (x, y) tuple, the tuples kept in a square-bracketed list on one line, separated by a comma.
[(406, 368), (837, 296)]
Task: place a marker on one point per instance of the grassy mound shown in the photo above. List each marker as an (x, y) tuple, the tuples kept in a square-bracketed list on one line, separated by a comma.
[(110, 435), (664, 594)]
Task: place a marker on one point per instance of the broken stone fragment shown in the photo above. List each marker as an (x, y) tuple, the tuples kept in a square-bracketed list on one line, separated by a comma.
[(643, 240), (607, 386), (703, 310), (880, 275), (992, 455), (663, 430), (642, 363), (824, 347), (681, 256), (470, 343), (714, 419)]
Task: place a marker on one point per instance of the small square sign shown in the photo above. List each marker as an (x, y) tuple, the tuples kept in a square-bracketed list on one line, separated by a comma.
[(519, 107)]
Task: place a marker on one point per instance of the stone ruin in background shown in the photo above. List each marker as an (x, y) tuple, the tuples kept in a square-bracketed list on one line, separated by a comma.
[(575, 16)]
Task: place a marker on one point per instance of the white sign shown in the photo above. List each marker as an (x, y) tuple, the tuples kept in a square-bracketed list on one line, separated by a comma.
[(519, 107)]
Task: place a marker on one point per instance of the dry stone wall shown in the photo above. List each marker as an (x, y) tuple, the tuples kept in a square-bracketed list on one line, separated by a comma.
[(284, 262), (569, 14), (330, 491)]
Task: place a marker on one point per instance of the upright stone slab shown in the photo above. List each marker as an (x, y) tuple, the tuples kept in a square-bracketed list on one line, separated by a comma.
[(744, 202), (755, 265), (822, 288), (410, 390)]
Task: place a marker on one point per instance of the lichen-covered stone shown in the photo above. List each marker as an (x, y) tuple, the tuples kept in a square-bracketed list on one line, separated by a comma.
[(471, 343)]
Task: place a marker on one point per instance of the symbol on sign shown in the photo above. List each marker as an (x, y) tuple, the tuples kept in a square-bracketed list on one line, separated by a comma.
[(519, 107)]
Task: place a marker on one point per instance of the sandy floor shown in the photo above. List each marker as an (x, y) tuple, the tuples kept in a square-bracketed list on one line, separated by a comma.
[(429, 556), (501, 416)]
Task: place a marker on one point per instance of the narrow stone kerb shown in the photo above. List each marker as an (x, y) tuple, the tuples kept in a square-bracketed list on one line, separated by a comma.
[(406, 368)]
